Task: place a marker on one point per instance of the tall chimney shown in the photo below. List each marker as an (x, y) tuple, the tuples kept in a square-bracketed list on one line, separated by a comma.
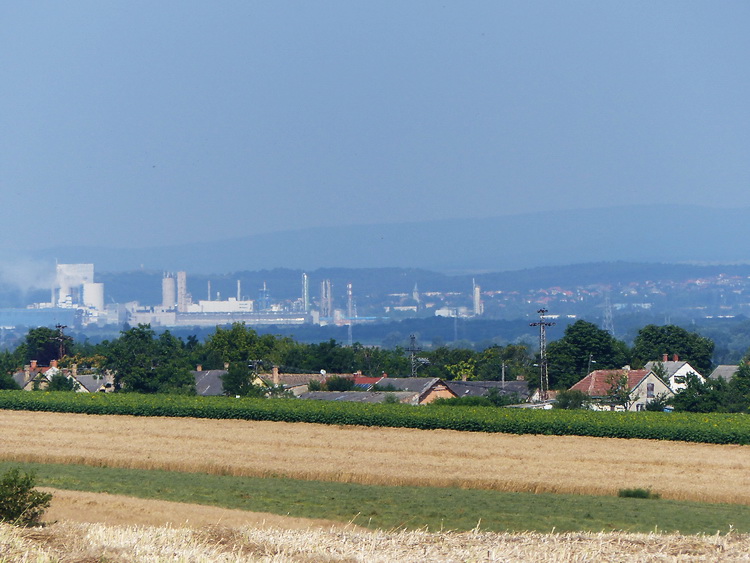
[(275, 372)]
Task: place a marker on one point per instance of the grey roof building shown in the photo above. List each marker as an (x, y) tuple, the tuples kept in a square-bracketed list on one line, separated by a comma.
[(725, 372), (208, 382), (481, 388)]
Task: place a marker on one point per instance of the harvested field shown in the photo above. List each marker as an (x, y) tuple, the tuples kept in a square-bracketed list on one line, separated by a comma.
[(98, 542), (384, 456)]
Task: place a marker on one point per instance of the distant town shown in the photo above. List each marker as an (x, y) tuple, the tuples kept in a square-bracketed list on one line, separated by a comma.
[(78, 298)]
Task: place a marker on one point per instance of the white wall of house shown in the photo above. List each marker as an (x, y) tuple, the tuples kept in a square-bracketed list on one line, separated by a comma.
[(647, 390)]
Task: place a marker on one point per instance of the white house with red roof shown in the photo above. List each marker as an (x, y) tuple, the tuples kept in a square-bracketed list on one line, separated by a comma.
[(644, 386)]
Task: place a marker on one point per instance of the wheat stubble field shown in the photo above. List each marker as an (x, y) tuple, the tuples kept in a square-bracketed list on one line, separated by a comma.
[(382, 456)]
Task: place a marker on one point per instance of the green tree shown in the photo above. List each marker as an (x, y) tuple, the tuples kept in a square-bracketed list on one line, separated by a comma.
[(145, 364), (571, 400), (464, 370), (60, 382), (20, 503), (42, 344), (652, 342), (336, 383), (238, 344), (239, 381), (618, 392), (582, 344)]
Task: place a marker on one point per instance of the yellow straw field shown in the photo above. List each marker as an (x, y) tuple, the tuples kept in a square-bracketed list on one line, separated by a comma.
[(383, 456)]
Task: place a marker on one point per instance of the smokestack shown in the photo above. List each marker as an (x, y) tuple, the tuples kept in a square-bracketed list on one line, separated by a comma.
[(275, 373), (209, 290), (239, 293)]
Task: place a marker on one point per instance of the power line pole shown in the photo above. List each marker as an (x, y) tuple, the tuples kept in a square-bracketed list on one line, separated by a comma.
[(61, 338), (542, 323), (413, 350)]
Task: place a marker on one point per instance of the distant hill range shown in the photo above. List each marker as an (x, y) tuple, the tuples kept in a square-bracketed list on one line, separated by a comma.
[(665, 234)]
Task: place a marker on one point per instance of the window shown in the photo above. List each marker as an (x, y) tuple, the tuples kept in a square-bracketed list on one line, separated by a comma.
[(650, 390)]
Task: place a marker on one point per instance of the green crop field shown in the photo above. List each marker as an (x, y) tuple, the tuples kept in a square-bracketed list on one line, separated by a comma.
[(688, 427)]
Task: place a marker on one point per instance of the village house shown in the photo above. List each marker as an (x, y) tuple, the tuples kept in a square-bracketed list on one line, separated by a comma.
[(674, 371), (644, 386)]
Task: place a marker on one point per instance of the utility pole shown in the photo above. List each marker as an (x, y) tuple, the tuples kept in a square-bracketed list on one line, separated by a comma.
[(413, 350), (542, 323), (61, 338)]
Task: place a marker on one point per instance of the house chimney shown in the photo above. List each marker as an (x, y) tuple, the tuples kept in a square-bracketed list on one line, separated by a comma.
[(53, 363), (675, 358), (199, 367), (665, 358), (520, 378), (74, 370), (226, 365), (275, 373), (33, 364), (464, 377)]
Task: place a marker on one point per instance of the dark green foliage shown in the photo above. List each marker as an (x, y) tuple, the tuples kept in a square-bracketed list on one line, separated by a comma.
[(60, 382), (571, 400), (687, 427), (314, 385), (637, 493), (568, 358), (658, 403), (654, 341), (239, 381), (715, 395), (336, 383), (20, 504), (42, 344), (143, 363), (493, 398)]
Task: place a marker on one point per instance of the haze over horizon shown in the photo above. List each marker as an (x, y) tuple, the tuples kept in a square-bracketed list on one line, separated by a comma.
[(136, 124)]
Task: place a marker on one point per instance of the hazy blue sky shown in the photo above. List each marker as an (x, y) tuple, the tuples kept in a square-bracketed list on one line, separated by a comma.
[(139, 123)]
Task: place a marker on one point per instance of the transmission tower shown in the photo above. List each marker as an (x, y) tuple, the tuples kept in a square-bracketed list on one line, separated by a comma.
[(542, 323), (413, 350)]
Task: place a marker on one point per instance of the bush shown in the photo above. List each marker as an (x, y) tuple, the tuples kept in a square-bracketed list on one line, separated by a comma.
[(571, 400), (20, 504), (637, 493)]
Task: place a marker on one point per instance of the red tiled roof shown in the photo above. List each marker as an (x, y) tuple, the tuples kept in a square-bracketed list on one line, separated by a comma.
[(599, 382), (365, 380)]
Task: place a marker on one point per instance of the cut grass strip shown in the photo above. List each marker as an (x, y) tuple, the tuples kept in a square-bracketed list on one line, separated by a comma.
[(381, 507)]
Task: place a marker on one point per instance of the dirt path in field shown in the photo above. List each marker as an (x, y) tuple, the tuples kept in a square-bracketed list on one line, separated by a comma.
[(384, 456), (76, 506)]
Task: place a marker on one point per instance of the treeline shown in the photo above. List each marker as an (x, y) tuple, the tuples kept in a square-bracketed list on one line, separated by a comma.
[(146, 362)]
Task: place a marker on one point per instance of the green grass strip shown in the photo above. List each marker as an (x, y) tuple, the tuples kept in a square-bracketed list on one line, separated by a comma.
[(687, 427), (401, 507)]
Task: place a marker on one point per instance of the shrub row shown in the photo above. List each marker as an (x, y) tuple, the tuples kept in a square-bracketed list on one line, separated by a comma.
[(687, 427)]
